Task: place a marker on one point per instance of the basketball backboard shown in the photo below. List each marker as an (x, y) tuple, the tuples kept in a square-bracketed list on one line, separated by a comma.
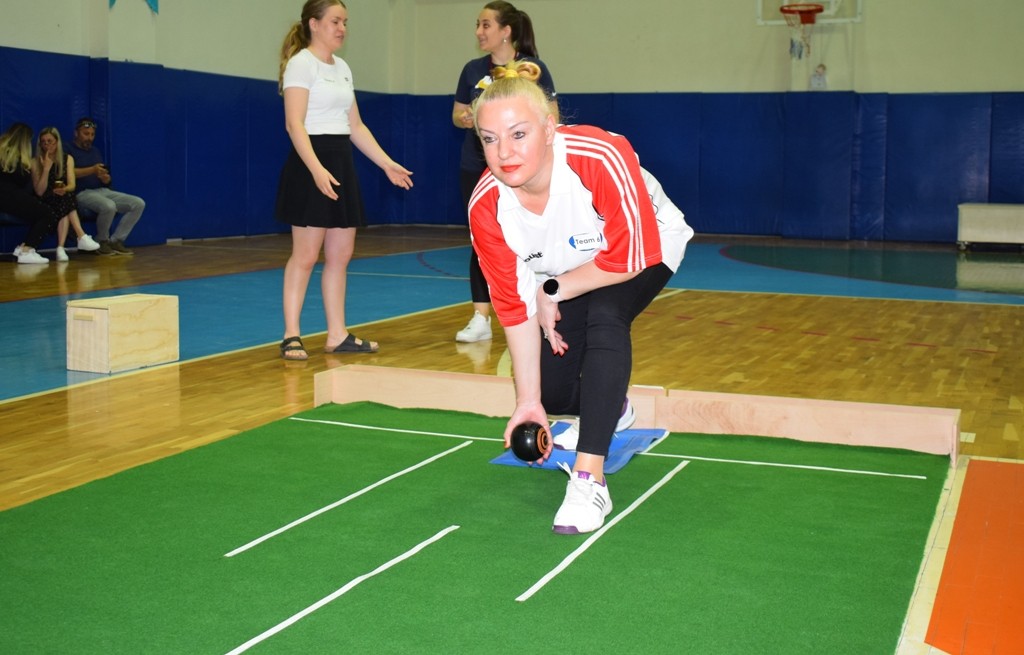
[(836, 11)]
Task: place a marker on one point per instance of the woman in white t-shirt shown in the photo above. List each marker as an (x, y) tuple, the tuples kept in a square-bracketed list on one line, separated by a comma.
[(575, 240), (318, 193)]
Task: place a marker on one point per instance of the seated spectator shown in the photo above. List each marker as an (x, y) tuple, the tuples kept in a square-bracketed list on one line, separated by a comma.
[(95, 192), (53, 178), (16, 197)]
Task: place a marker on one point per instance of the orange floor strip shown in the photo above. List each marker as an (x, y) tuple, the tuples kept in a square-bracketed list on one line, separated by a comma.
[(981, 592)]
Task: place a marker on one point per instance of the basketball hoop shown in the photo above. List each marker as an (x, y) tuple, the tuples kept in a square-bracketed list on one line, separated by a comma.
[(800, 18)]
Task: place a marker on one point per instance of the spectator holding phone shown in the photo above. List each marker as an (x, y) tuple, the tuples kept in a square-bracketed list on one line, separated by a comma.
[(95, 192)]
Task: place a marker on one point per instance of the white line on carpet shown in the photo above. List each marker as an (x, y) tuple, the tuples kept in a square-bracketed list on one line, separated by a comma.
[(646, 451), (789, 466), (537, 586), (374, 427), (341, 592), (256, 542)]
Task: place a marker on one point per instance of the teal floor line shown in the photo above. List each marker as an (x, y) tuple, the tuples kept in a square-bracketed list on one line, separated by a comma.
[(224, 313)]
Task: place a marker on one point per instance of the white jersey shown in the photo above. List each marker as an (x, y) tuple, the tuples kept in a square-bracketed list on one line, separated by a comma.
[(331, 91)]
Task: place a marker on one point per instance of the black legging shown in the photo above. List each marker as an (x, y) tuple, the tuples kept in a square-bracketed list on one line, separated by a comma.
[(23, 205), (590, 380), (477, 283)]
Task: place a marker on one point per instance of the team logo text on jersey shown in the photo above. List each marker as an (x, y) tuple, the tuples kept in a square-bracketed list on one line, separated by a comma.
[(533, 255), (586, 242)]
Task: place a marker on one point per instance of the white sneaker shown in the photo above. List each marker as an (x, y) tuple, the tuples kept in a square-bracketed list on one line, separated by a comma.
[(478, 329), (586, 504), (570, 437), (62, 255), (87, 244), (29, 256), (17, 251)]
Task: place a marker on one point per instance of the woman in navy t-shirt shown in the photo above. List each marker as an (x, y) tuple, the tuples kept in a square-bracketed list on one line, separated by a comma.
[(506, 34)]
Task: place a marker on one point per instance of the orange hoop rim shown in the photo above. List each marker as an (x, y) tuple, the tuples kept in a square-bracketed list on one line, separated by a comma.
[(806, 12)]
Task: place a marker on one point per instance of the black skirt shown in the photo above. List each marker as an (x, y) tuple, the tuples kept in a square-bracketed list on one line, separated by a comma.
[(300, 203)]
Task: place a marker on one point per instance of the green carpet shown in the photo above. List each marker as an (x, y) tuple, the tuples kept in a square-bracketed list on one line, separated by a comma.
[(725, 558)]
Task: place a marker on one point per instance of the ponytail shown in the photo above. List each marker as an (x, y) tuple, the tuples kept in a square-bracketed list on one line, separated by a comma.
[(522, 27), (296, 39)]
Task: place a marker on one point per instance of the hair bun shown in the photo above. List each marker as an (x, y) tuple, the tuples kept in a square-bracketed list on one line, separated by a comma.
[(525, 69)]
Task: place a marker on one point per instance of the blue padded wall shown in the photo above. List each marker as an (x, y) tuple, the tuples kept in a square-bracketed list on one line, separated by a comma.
[(264, 157), (670, 151), (937, 157), (42, 89), (432, 147), (588, 109), (134, 142), (817, 165), (670, 147), (741, 173), (417, 132), (217, 152), (205, 151), (223, 154), (867, 205), (1006, 183)]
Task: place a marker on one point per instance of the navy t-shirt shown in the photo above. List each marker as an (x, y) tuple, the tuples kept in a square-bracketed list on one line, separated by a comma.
[(476, 76), (85, 159)]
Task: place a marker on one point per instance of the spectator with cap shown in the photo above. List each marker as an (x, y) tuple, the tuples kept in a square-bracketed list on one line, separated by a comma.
[(96, 194)]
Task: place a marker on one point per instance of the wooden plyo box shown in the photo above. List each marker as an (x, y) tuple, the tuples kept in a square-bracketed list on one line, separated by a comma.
[(119, 333)]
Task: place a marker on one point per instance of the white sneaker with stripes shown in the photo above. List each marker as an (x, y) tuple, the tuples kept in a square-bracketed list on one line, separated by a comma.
[(568, 438), (586, 504)]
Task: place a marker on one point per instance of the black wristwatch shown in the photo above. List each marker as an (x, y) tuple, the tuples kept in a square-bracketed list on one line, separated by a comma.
[(551, 289)]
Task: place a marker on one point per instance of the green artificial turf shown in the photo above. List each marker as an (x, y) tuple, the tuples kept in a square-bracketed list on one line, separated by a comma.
[(725, 558)]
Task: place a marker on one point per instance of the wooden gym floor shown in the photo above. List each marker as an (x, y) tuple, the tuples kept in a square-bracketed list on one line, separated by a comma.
[(962, 355)]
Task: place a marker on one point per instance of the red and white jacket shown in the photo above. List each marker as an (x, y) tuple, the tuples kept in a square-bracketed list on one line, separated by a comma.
[(602, 206)]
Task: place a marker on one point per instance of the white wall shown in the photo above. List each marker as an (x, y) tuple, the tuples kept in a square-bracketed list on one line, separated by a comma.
[(47, 25), (591, 46), (716, 45), (230, 37)]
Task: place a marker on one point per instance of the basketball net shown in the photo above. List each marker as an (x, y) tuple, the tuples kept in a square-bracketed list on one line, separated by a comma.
[(801, 19)]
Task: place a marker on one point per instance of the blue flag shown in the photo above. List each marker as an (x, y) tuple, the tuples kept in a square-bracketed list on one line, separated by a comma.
[(153, 4)]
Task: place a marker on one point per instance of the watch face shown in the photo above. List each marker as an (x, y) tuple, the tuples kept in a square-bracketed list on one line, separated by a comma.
[(551, 286)]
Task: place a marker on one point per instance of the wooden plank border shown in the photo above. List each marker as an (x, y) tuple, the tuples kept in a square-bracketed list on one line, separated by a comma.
[(923, 429)]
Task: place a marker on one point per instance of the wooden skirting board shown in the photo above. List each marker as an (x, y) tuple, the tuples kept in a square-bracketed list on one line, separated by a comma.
[(923, 429)]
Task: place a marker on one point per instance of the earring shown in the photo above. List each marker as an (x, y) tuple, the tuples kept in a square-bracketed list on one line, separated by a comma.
[(504, 40)]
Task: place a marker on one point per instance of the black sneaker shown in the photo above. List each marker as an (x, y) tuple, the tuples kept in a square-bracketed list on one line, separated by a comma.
[(104, 249), (119, 248)]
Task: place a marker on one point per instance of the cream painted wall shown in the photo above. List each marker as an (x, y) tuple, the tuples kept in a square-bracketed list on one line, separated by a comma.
[(243, 37), (231, 37), (713, 46), (47, 25), (917, 46), (591, 46)]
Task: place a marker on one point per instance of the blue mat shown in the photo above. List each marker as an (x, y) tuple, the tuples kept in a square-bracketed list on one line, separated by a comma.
[(624, 445)]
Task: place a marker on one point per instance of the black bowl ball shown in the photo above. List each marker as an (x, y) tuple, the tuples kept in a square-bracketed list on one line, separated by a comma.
[(530, 440)]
